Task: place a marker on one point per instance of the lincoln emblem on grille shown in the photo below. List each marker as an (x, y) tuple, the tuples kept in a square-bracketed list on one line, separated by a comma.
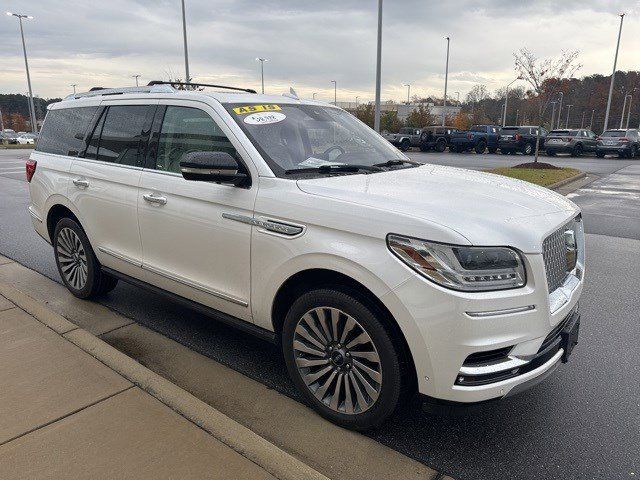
[(571, 249)]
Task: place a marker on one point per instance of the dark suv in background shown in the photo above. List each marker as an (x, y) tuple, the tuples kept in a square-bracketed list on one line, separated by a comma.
[(520, 139), (436, 138), (624, 143), (576, 142)]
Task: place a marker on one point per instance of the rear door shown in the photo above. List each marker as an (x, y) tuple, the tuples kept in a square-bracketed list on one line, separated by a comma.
[(196, 236), (104, 183)]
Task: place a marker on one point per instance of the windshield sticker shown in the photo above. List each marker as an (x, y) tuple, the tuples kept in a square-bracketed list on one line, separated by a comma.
[(255, 108), (264, 118), (317, 162)]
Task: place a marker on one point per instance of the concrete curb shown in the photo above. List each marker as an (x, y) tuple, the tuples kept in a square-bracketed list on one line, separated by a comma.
[(566, 181), (238, 437)]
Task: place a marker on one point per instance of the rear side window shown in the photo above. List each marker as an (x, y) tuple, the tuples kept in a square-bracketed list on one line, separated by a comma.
[(64, 130), (121, 135), (614, 133), (184, 130)]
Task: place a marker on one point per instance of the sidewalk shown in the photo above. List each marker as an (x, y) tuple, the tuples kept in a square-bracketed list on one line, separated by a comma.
[(64, 414)]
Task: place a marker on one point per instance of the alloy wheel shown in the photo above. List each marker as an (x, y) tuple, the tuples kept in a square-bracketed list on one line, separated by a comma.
[(72, 258), (337, 360)]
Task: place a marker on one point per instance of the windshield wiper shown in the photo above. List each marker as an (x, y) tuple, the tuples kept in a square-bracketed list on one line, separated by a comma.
[(335, 168), (394, 162)]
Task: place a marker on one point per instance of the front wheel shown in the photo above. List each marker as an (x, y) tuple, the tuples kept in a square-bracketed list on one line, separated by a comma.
[(551, 153), (77, 264), (441, 145), (577, 151), (480, 147), (342, 359), (405, 145), (492, 151), (600, 154)]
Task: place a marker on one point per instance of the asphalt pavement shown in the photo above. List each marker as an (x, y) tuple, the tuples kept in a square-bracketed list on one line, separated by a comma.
[(581, 423)]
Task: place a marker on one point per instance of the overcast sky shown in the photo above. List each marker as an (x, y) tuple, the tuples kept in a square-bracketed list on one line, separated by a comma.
[(308, 43)]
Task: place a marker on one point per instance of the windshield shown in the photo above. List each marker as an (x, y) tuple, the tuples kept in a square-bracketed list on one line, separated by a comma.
[(566, 133), (302, 136)]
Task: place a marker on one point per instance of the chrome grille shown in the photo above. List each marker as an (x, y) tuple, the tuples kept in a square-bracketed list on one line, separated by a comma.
[(554, 253)]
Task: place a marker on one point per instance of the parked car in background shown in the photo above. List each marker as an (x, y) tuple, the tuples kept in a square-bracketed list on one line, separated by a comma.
[(406, 138), (9, 136), (624, 143), (25, 139), (576, 142), (435, 138), (520, 139), (478, 138)]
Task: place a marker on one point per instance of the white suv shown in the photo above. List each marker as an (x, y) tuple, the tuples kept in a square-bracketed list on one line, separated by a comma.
[(294, 221)]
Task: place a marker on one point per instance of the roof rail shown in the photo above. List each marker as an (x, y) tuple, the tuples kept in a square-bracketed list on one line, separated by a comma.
[(189, 84), (101, 91)]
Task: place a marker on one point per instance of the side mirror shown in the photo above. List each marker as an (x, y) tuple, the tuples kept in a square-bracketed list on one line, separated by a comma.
[(219, 167)]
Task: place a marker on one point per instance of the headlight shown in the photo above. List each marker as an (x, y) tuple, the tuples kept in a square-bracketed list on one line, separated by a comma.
[(469, 269)]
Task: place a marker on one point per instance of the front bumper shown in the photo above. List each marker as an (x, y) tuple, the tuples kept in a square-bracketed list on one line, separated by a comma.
[(454, 326), (613, 150)]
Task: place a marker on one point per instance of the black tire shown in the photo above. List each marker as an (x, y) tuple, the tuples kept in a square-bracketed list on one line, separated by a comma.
[(405, 144), (577, 151), (600, 154), (441, 145), (480, 147), (390, 390), (89, 280), (505, 151), (551, 153), (528, 149), (424, 148), (492, 151)]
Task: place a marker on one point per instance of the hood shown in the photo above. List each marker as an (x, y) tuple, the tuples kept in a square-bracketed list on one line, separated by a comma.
[(486, 209)]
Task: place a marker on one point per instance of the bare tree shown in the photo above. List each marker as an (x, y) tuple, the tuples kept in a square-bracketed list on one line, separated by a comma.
[(545, 78), (477, 93)]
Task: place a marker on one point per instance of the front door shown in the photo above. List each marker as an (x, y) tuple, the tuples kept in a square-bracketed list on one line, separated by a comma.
[(189, 248)]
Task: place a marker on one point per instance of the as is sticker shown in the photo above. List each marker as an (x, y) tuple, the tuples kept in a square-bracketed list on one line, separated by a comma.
[(264, 118)]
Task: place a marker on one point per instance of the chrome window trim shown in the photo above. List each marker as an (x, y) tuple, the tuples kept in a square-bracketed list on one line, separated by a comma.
[(101, 162)]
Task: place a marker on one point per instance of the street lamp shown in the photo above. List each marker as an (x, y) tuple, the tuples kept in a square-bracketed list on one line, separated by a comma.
[(613, 75), (566, 124), (553, 114), (74, 85), (446, 79), (314, 95), (376, 116), (408, 85), (357, 97), (584, 112), (262, 60), (187, 78), (593, 112), (560, 107), (506, 99), (335, 92), (624, 107), (517, 115), (136, 77), (32, 110)]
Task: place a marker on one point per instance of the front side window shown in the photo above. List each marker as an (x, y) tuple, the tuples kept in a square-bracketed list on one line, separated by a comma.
[(64, 130), (185, 130), (292, 137)]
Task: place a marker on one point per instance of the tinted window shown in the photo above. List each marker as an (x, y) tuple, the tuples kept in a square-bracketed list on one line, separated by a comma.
[(614, 133), (124, 134), (94, 141), (64, 130), (185, 130)]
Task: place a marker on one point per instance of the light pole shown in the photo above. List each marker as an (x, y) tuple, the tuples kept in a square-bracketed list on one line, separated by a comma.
[(335, 92), (506, 99), (613, 75), (553, 114), (624, 107), (262, 60), (376, 116), (566, 124), (408, 85), (357, 97), (457, 96), (74, 85), (593, 112), (560, 108), (32, 110), (187, 78), (136, 76), (628, 112), (517, 115), (314, 95), (446, 79), (584, 112)]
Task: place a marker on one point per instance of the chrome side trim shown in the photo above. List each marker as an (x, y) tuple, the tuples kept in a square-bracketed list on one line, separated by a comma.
[(269, 225), (506, 311), (106, 164), (34, 214), (511, 363), (195, 285), (120, 256)]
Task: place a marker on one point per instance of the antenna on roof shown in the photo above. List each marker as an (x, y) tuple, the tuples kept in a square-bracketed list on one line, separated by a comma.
[(189, 84)]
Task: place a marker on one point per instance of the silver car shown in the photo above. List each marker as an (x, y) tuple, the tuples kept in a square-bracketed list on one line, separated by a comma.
[(576, 142)]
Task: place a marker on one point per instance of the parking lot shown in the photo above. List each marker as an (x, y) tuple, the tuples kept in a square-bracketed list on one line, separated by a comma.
[(583, 422)]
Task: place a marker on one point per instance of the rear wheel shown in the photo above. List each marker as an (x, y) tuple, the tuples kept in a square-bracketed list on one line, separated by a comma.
[(405, 145), (342, 359), (480, 147), (493, 150), (551, 153), (600, 154), (577, 151), (441, 145), (77, 264), (505, 152)]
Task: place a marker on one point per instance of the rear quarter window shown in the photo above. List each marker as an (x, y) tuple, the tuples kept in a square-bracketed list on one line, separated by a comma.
[(64, 130)]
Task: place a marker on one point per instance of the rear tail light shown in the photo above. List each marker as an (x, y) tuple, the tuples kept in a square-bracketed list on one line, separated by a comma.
[(469, 136), (598, 137), (517, 137), (624, 139), (567, 139), (31, 169)]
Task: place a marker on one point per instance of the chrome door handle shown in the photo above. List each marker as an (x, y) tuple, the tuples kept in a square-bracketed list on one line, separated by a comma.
[(78, 182), (155, 199)]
